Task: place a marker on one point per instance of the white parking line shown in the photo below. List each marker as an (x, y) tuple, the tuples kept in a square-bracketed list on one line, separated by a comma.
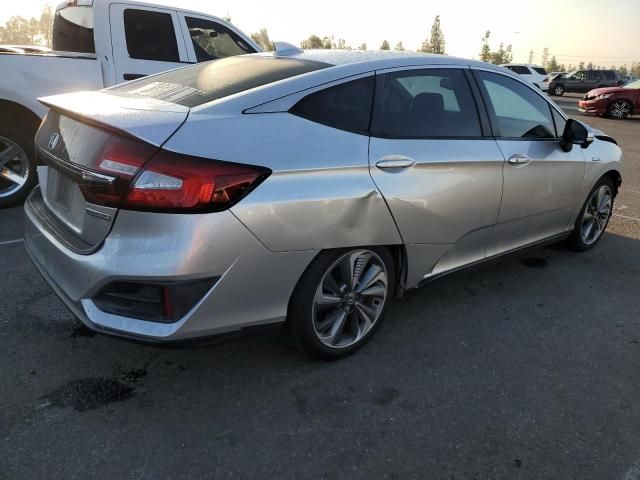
[(627, 217), (11, 242)]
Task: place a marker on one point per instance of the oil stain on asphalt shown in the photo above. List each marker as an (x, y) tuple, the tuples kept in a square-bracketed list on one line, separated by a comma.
[(89, 393), (534, 262)]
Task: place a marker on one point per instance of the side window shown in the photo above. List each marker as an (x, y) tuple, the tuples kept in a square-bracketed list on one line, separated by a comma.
[(425, 104), (346, 106), (520, 70), (212, 40), (593, 75), (580, 76), (518, 111), (609, 74), (150, 36)]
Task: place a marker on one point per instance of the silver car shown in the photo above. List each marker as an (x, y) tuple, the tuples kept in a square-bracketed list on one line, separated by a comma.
[(301, 187)]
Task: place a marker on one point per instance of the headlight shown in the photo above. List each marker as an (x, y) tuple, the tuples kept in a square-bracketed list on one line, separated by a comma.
[(603, 96)]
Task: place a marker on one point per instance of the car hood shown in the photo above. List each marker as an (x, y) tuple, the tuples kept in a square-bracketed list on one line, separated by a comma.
[(599, 91)]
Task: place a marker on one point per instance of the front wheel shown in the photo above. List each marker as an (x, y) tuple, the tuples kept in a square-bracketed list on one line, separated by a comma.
[(594, 216), (619, 109), (558, 90), (17, 169), (340, 301)]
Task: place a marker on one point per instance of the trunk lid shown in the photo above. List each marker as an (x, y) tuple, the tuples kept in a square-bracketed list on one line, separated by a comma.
[(72, 145)]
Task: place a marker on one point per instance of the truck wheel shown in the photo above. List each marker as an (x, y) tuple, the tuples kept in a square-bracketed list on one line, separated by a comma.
[(17, 167), (558, 90)]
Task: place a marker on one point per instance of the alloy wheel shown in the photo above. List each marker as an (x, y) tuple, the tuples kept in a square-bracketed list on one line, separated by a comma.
[(558, 90), (596, 215), (14, 167), (350, 298), (620, 109)]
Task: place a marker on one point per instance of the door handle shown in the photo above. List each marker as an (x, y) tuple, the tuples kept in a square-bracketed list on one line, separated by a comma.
[(518, 160), (133, 76), (395, 161)]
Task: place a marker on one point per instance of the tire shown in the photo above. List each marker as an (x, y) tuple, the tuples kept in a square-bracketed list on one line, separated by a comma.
[(16, 159), (578, 240), (620, 109), (558, 90), (327, 318)]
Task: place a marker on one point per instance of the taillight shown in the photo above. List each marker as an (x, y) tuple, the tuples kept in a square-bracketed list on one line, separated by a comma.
[(139, 176), (172, 181)]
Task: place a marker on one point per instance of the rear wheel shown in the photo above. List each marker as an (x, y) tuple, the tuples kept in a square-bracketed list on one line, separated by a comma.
[(620, 109), (594, 216), (558, 90), (17, 169), (340, 301)]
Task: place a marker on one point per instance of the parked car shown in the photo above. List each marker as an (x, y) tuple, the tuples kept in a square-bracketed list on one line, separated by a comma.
[(532, 73), (580, 81), (307, 188), (616, 102), (98, 44)]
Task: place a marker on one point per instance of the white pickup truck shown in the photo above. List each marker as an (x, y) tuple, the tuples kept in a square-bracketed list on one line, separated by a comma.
[(97, 44)]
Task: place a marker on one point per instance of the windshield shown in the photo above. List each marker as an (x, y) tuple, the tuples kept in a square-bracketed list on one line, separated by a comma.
[(205, 82), (635, 84)]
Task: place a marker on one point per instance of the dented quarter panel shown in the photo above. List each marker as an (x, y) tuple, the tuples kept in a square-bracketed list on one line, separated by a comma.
[(320, 194)]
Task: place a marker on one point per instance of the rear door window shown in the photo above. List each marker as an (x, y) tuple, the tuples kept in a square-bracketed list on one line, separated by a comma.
[(346, 106), (431, 103), (517, 110), (73, 30), (150, 35), (212, 40), (609, 74), (540, 70)]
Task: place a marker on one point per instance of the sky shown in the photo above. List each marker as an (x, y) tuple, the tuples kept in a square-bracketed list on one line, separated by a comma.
[(607, 33)]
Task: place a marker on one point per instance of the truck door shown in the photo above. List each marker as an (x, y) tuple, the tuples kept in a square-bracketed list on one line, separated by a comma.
[(145, 40)]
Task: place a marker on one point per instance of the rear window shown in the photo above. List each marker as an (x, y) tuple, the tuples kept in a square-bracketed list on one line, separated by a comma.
[(73, 30), (609, 74), (540, 70), (150, 36), (205, 82)]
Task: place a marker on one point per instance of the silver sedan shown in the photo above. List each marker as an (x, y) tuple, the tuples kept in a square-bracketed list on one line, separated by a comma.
[(301, 187)]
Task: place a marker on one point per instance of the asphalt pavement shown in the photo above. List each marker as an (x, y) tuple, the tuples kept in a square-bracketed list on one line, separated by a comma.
[(526, 368)]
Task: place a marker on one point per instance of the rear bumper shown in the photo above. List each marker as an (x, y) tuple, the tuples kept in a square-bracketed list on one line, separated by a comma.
[(167, 247), (596, 107)]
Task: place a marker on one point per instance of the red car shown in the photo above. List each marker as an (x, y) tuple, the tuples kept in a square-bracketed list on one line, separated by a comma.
[(617, 102)]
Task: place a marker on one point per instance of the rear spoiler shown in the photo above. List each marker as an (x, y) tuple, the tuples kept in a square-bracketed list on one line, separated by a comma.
[(147, 119)]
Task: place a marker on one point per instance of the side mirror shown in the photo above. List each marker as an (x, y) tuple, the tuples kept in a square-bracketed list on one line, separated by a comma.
[(576, 133)]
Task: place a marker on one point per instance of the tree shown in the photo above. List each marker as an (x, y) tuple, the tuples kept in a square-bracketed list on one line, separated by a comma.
[(552, 65), (262, 38), (326, 43), (28, 31), (313, 41), (17, 30), (341, 44), (385, 45), (581, 66), (502, 55), (399, 47), (545, 57), (437, 37), (45, 25), (485, 51), (435, 43), (363, 46), (590, 66), (623, 70)]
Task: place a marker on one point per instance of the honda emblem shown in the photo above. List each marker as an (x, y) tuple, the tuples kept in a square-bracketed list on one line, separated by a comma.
[(53, 141)]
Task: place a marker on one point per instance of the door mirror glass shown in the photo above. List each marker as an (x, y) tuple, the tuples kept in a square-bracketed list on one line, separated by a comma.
[(576, 133)]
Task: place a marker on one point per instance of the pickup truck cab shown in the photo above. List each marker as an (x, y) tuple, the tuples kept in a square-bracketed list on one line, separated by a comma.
[(97, 44)]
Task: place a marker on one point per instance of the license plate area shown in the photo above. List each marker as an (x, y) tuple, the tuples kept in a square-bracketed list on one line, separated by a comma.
[(64, 198)]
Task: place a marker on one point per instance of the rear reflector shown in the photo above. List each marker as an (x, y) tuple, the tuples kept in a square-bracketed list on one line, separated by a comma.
[(140, 176), (153, 302)]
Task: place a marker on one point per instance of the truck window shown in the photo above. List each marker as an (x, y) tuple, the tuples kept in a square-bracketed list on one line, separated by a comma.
[(150, 36), (212, 40), (73, 30)]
